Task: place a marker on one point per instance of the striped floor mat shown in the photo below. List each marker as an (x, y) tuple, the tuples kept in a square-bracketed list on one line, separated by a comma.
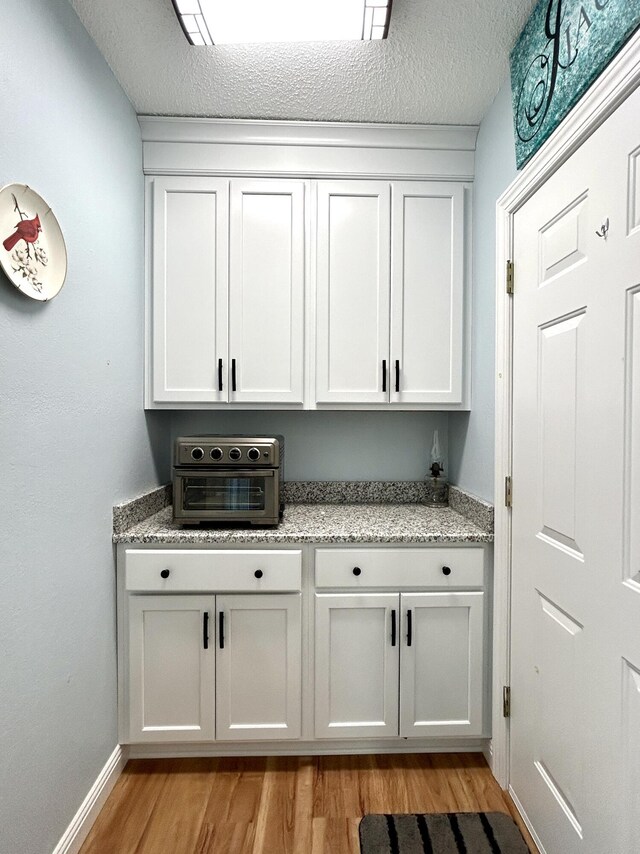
[(441, 833)]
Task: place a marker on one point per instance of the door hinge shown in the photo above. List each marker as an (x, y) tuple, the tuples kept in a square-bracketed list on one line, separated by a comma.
[(506, 701), (508, 497), (510, 277)]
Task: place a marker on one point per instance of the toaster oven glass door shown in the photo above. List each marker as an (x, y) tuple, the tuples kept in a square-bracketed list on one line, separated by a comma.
[(239, 495)]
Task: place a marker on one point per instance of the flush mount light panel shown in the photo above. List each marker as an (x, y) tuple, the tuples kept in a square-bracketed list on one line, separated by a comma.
[(207, 22)]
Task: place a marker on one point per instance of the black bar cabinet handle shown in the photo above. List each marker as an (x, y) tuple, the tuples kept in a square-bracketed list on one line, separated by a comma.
[(397, 374), (233, 375), (384, 375), (393, 627), (408, 628), (205, 630), (221, 629), (219, 374)]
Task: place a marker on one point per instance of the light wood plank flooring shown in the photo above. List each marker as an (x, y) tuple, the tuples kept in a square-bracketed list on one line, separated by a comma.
[(281, 805)]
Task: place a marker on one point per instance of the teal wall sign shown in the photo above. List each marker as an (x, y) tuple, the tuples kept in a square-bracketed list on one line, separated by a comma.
[(564, 46)]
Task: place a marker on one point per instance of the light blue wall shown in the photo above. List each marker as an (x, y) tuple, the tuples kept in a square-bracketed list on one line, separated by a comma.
[(336, 445), (471, 434), (73, 435)]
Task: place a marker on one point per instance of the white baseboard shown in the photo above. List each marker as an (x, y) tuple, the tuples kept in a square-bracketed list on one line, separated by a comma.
[(83, 820), (171, 750)]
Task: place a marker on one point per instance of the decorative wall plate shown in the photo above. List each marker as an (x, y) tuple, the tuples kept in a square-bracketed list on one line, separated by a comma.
[(32, 250)]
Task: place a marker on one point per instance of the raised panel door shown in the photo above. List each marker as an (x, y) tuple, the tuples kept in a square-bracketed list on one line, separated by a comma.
[(171, 668), (427, 279), (189, 251), (356, 665), (259, 677), (352, 292), (266, 291), (441, 664)]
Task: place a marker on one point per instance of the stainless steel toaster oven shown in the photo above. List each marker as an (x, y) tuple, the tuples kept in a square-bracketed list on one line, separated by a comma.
[(235, 479)]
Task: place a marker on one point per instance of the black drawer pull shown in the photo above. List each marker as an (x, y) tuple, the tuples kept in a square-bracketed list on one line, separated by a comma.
[(233, 375), (409, 632), (258, 573), (205, 630), (397, 375), (446, 570), (393, 627), (221, 629), (384, 375), (219, 374), (357, 570), (165, 573)]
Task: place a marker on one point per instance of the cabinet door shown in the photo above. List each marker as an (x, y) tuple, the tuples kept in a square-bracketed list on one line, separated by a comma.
[(259, 679), (427, 277), (356, 665), (171, 668), (266, 291), (353, 260), (441, 664), (189, 258)]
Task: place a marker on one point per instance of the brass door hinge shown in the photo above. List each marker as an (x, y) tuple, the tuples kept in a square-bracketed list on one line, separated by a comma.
[(510, 277), (508, 496), (506, 701)]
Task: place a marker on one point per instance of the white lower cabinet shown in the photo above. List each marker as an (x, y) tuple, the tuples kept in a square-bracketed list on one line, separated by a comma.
[(205, 668), (258, 678), (356, 665), (171, 669), (220, 645), (407, 664)]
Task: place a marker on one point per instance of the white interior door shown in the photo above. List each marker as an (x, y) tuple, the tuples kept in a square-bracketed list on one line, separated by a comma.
[(266, 291), (356, 665), (189, 280), (258, 675), (427, 284), (575, 668), (352, 292), (441, 664), (171, 668)]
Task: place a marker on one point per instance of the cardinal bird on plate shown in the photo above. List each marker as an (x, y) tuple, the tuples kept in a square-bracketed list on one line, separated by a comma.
[(27, 230)]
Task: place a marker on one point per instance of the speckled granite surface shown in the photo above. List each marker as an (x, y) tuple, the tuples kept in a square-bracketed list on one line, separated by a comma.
[(357, 492), (136, 510), (324, 523), (472, 508)]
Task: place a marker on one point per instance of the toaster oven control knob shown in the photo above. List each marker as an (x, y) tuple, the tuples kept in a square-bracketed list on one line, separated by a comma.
[(197, 454), (235, 454), (216, 454), (253, 454)]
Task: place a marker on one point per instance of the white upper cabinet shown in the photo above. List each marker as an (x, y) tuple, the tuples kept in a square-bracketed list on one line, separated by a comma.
[(227, 291), (266, 291), (427, 280), (189, 273), (352, 333), (307, 265), (390, 278)]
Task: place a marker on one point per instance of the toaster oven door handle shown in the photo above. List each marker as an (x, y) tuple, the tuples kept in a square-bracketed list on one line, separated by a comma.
[(208, 472)]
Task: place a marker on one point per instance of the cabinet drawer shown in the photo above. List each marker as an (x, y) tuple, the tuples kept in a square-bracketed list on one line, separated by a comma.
[(397, 568), (212, 571)]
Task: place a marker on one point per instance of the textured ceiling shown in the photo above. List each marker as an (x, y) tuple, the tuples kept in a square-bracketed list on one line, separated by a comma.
[(443, 63)]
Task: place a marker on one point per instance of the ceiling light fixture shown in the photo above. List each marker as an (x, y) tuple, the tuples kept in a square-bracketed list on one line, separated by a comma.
[(207, 22)]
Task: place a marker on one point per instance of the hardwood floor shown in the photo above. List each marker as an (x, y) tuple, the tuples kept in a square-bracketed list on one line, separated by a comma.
[(281, 805)]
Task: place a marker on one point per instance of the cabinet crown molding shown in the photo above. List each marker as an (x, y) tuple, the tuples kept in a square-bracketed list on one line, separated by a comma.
[(176, 145), (336, 134)]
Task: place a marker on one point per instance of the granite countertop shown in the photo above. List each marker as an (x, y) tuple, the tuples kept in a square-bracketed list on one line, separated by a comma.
[(323, 523)]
